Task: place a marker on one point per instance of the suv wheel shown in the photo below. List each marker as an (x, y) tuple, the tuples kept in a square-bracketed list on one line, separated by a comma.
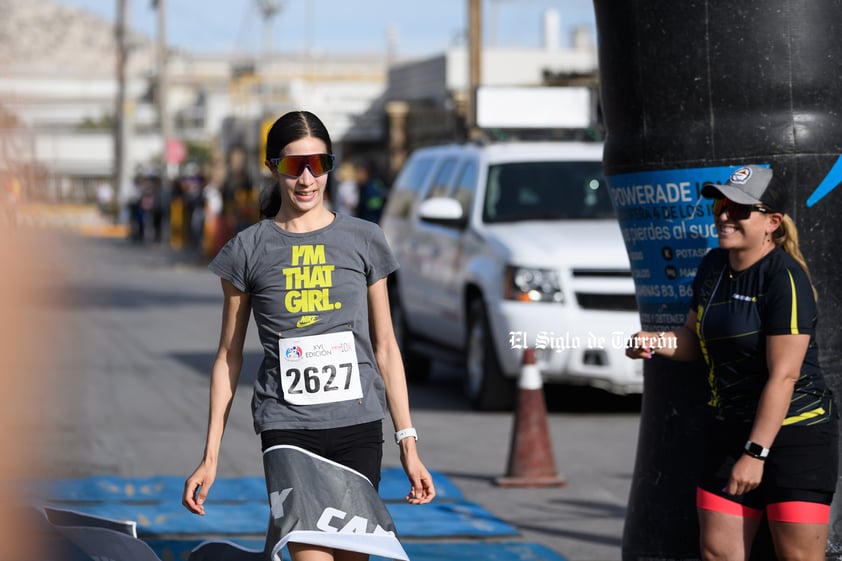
[(486, 386), (416, 366)]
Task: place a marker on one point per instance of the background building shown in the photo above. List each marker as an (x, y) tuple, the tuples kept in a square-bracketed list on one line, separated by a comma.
[(59, 92)]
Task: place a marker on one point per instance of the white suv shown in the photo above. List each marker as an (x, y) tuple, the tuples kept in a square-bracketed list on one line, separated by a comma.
[(508, 245)]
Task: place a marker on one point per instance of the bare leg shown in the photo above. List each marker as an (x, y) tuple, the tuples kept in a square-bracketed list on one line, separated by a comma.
[(306, 552), (341, 555), (726, 537), (799, 542)]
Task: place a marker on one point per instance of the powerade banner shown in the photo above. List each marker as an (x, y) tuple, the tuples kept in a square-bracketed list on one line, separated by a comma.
[(668, 227)]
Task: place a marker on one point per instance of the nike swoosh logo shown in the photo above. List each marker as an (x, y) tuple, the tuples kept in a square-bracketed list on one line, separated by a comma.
[(305, 321)]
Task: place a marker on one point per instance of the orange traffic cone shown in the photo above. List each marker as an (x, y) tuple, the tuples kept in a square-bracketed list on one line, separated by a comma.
[(530, 455)]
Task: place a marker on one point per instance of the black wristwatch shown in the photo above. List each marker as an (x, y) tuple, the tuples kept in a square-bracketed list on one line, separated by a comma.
[(756, 450)]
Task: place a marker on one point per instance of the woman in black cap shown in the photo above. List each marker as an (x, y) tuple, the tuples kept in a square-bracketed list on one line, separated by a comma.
[(772, 445)]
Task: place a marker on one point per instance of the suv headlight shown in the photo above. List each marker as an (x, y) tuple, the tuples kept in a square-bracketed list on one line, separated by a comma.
[(527, 284)]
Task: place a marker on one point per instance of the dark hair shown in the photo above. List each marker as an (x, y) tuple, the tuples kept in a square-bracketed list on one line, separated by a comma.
[(290, 127)]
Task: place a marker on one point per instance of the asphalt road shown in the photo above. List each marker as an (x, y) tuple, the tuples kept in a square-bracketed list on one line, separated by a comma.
[(130, 332)]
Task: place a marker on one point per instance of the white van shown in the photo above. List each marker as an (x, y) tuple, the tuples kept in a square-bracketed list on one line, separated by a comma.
[(508, 245)]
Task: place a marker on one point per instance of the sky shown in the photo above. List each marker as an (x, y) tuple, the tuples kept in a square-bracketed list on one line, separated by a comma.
[(417, 27)]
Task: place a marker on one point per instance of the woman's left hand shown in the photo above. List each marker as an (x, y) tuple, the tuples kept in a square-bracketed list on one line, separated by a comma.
[(745, 475), (421, 490)]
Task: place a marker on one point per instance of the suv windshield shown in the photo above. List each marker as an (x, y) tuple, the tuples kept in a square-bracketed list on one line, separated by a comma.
[(546, 191)]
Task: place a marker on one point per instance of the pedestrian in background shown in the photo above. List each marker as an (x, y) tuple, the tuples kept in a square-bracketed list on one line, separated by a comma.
[(312, 279), (772, 444), (239, 195), (372, 193), (347, 191), (137, 213)]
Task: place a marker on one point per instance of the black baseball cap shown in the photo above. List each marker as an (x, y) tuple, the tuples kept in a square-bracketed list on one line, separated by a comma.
[(750, 185)]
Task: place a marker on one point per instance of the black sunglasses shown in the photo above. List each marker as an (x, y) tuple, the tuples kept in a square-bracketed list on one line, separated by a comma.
[(736, 211)]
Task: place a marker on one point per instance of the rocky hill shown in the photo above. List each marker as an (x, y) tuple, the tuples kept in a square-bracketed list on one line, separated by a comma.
[(42, 36)]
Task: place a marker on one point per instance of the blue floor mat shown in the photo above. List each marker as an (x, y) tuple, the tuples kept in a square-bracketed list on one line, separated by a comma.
[(170, 518), (180, 549), (394, 486), (239, 513), (104, 488), (111, 489), (456, 519), (463, 551), (446, 519), (450, 551)]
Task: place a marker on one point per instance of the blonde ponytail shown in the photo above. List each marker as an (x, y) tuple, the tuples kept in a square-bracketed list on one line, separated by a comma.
[(787, 237)]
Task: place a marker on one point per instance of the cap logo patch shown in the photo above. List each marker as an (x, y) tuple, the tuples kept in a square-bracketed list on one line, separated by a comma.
[(741, 176)]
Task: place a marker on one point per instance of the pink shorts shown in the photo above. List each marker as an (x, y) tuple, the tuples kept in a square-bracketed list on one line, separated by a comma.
[(799, 512)]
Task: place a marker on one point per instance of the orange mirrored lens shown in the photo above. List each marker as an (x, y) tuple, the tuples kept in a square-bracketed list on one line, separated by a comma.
[(294, 166)]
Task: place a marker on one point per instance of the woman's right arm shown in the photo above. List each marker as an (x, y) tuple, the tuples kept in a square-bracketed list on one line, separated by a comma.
[(681, 343), (224, 377)]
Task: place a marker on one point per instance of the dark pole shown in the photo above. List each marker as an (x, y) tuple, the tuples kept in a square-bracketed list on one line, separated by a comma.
[(689, 92), (163, 77)]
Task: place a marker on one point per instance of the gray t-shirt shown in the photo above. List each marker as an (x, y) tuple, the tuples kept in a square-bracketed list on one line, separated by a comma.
[(309, 284)]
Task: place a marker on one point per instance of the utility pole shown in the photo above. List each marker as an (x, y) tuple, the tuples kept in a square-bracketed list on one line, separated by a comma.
[(163, 85), (121, 180), (268, 9), (174, 227), (474, 63)]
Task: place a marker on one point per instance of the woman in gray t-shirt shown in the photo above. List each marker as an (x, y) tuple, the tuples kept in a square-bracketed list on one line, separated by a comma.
[(315, 282)]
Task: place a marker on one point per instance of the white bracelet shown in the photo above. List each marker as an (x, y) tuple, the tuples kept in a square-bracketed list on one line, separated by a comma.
[(405, 433)]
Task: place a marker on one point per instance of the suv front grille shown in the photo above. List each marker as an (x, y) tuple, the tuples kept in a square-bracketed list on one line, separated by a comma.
[(613, 302)]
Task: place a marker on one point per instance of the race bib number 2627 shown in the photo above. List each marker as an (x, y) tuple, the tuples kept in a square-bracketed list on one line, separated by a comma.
[(320, 369)]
